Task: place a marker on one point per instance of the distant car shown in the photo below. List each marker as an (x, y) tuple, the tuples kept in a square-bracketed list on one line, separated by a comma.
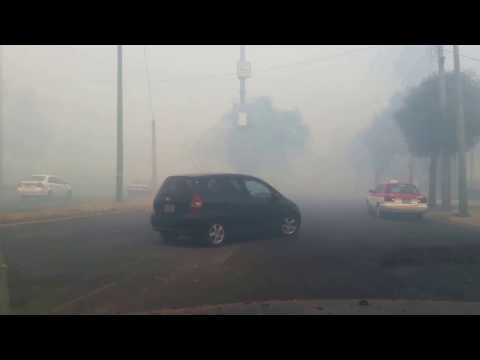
[(396, 197), (44, 186), (210, 207)]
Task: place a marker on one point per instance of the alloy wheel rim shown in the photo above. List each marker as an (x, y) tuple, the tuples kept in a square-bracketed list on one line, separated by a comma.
[(216, 234), (289, 226)]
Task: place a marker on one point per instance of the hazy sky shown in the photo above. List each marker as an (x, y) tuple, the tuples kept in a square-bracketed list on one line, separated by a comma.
[(337, 88)]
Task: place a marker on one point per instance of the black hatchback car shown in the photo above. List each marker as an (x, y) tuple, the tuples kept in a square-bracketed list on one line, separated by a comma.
[(211, 207)]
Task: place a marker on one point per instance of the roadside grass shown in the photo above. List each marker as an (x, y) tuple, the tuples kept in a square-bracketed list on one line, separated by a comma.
[(451, 217), (474, 218), (78, 209)]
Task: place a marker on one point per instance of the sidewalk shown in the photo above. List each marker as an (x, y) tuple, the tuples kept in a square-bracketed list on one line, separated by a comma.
[(451, 217)]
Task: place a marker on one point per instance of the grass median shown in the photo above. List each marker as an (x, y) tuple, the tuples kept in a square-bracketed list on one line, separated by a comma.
[(86, 208)]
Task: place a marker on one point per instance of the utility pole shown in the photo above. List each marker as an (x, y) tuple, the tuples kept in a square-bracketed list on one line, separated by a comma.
[(243, 80), (2, 155), (462, 176), (154, 156), (154, 131), (446, 162), (119, 188), (4, 296), (243, 72)]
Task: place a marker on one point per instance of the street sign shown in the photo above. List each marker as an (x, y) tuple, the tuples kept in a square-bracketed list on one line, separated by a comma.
[(242, 119), (244, 69)]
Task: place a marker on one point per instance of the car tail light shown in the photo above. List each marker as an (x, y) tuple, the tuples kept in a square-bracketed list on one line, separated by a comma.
[(197, 202), (388, 198)]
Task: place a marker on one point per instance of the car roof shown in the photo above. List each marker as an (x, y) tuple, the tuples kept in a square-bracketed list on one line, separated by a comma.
[(210, 175), (399, 183)]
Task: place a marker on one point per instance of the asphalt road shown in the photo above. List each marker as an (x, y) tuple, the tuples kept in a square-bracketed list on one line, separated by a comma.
[(117, 264)]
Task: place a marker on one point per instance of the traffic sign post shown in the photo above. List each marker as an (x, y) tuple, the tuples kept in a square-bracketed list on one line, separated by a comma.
[(242, 119), (244, 70)]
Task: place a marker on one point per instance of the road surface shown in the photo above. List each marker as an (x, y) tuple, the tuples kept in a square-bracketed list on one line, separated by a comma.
[(117, 264)]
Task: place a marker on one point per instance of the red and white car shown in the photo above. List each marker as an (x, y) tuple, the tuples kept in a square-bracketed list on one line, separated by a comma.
[(396, 197)]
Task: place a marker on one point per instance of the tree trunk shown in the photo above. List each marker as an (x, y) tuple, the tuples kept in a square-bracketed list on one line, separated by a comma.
[(432, 186), (377, 177), (472, 168), (411, 165), (446, 182)]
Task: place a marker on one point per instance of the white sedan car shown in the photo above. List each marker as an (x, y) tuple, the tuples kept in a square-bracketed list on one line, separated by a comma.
[(44, 186)]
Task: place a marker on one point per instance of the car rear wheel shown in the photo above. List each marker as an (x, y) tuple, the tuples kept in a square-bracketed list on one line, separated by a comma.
[(215, 235), (290, 226)]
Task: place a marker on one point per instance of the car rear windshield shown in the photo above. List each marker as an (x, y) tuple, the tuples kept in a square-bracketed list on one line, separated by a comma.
[(177, 186), (403, 189), (37, 178)]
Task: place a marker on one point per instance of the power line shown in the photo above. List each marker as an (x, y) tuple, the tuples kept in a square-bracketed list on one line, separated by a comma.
[(319, 59), (465, 56), (276, 67)]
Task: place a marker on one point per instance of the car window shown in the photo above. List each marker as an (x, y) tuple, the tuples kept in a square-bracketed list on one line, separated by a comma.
[(257, 189), (403, 189), (237, 185), (224, 187)]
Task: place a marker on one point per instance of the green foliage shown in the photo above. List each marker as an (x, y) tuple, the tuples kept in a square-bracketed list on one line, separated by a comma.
[(270, 140), (382, 139), (420, 120)]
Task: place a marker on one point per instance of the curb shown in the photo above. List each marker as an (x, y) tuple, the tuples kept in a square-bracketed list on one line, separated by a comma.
[(447, 219), (68, 218)]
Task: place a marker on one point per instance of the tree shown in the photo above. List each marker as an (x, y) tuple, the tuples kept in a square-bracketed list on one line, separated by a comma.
[(382, 140), (28, 132), (271, 139), (426, 132)]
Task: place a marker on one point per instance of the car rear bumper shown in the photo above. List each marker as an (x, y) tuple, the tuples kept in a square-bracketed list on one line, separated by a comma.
[(404, 208), (186, 225)]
